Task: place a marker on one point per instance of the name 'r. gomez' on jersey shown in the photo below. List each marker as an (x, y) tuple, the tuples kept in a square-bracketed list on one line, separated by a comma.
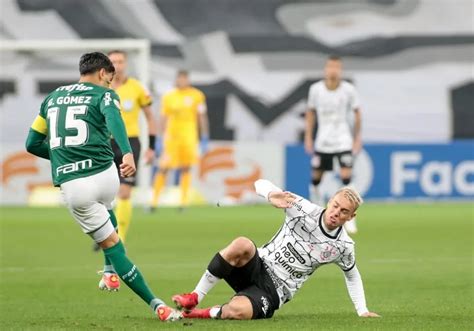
[(333, 110), (301, 246)]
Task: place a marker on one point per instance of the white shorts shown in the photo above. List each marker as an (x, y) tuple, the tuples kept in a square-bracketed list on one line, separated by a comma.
[(89, 199)]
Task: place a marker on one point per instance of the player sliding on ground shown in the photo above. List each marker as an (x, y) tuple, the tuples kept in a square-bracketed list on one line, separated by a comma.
[(73, 131), (265, 278)]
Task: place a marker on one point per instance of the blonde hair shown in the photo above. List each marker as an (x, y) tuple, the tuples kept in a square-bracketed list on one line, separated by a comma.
[(352, 195)]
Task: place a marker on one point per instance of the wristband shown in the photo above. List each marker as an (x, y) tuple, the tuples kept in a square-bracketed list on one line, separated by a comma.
[(151, 141)]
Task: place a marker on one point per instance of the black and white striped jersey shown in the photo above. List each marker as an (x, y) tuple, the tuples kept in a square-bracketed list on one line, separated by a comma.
[(301, 246)]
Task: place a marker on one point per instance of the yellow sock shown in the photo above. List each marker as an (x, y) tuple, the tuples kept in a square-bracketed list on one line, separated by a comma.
[(185, 184), (124, 216), (160, 180)]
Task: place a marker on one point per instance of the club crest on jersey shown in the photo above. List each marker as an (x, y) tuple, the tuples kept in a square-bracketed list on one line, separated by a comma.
[(127, 105), (188, 101), (329, 252)]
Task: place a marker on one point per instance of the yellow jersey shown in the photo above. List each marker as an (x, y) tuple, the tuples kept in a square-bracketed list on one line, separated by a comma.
[(133, 97), (181, 108)]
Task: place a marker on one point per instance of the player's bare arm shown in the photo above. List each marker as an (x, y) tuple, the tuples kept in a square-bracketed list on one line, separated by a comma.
[(310, 118), (203, 121), (357, 145), (277, 197), (203, 124), (152, 131), (280, 199), (160, 133)]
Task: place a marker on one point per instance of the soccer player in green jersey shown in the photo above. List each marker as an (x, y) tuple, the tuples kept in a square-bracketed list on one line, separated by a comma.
[(73, 131)]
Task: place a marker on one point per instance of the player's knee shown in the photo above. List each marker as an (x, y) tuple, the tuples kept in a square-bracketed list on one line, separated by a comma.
[(125, 192), (346, 180), (163, 171), (235, 311), (316, 181), (243, 247)]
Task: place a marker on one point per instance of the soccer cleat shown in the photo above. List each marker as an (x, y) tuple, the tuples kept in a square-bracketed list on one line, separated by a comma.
[(109, 282), (168, 314), (185, 301), (198, 313)]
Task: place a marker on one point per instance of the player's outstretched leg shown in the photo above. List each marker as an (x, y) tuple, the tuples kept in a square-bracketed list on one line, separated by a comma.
[(236, 255), (110, 280), (239, 308), (132, 277)]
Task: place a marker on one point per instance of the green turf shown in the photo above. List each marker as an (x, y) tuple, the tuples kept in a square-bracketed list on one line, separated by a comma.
[(415, 259)]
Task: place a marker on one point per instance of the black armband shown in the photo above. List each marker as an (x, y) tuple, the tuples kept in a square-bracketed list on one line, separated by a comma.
[(151, 141)]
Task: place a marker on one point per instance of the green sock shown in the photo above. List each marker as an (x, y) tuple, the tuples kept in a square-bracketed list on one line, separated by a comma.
[(130, 274), (108, 267)]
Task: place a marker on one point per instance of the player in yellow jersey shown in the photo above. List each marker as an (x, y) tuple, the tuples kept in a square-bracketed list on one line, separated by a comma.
[(134, 98), (182, 120)]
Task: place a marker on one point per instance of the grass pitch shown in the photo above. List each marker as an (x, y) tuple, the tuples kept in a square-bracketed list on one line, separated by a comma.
[(416, 261)]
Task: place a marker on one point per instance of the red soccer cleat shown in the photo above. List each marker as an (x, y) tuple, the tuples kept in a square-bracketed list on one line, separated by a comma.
[(109, 282), (167, 314), (187, 301), (198, 313)]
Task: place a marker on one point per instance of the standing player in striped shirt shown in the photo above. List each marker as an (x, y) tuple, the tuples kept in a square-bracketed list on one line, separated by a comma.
[(267, 277), (331, 104)]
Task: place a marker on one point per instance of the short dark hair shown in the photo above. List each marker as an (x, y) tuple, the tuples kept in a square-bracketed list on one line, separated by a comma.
[(334, 58), (117, 51), (182, 72), (93, 62)]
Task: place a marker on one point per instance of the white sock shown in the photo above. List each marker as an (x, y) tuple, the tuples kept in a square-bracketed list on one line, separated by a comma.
[(207, 282), (214, 311)]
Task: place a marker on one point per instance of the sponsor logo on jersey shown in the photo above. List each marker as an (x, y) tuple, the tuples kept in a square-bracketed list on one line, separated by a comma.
[(127, 105), (295, 253), (73, 167), (285, 259), (74, 87)]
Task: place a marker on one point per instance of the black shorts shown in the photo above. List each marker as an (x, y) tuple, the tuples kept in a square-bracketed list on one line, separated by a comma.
[(135, 144), (324, 161), (253, 282)]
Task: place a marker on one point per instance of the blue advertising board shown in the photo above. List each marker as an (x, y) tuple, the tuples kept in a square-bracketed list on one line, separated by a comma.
[(390, 171)]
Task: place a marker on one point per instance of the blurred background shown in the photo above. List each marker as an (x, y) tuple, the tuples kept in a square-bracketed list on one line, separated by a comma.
[(410, 60)]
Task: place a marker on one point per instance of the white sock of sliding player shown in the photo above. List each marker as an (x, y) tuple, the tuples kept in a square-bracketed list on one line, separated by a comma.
[(206, 283)]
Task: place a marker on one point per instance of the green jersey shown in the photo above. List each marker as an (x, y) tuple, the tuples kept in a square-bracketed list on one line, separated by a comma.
[(78, 130)]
